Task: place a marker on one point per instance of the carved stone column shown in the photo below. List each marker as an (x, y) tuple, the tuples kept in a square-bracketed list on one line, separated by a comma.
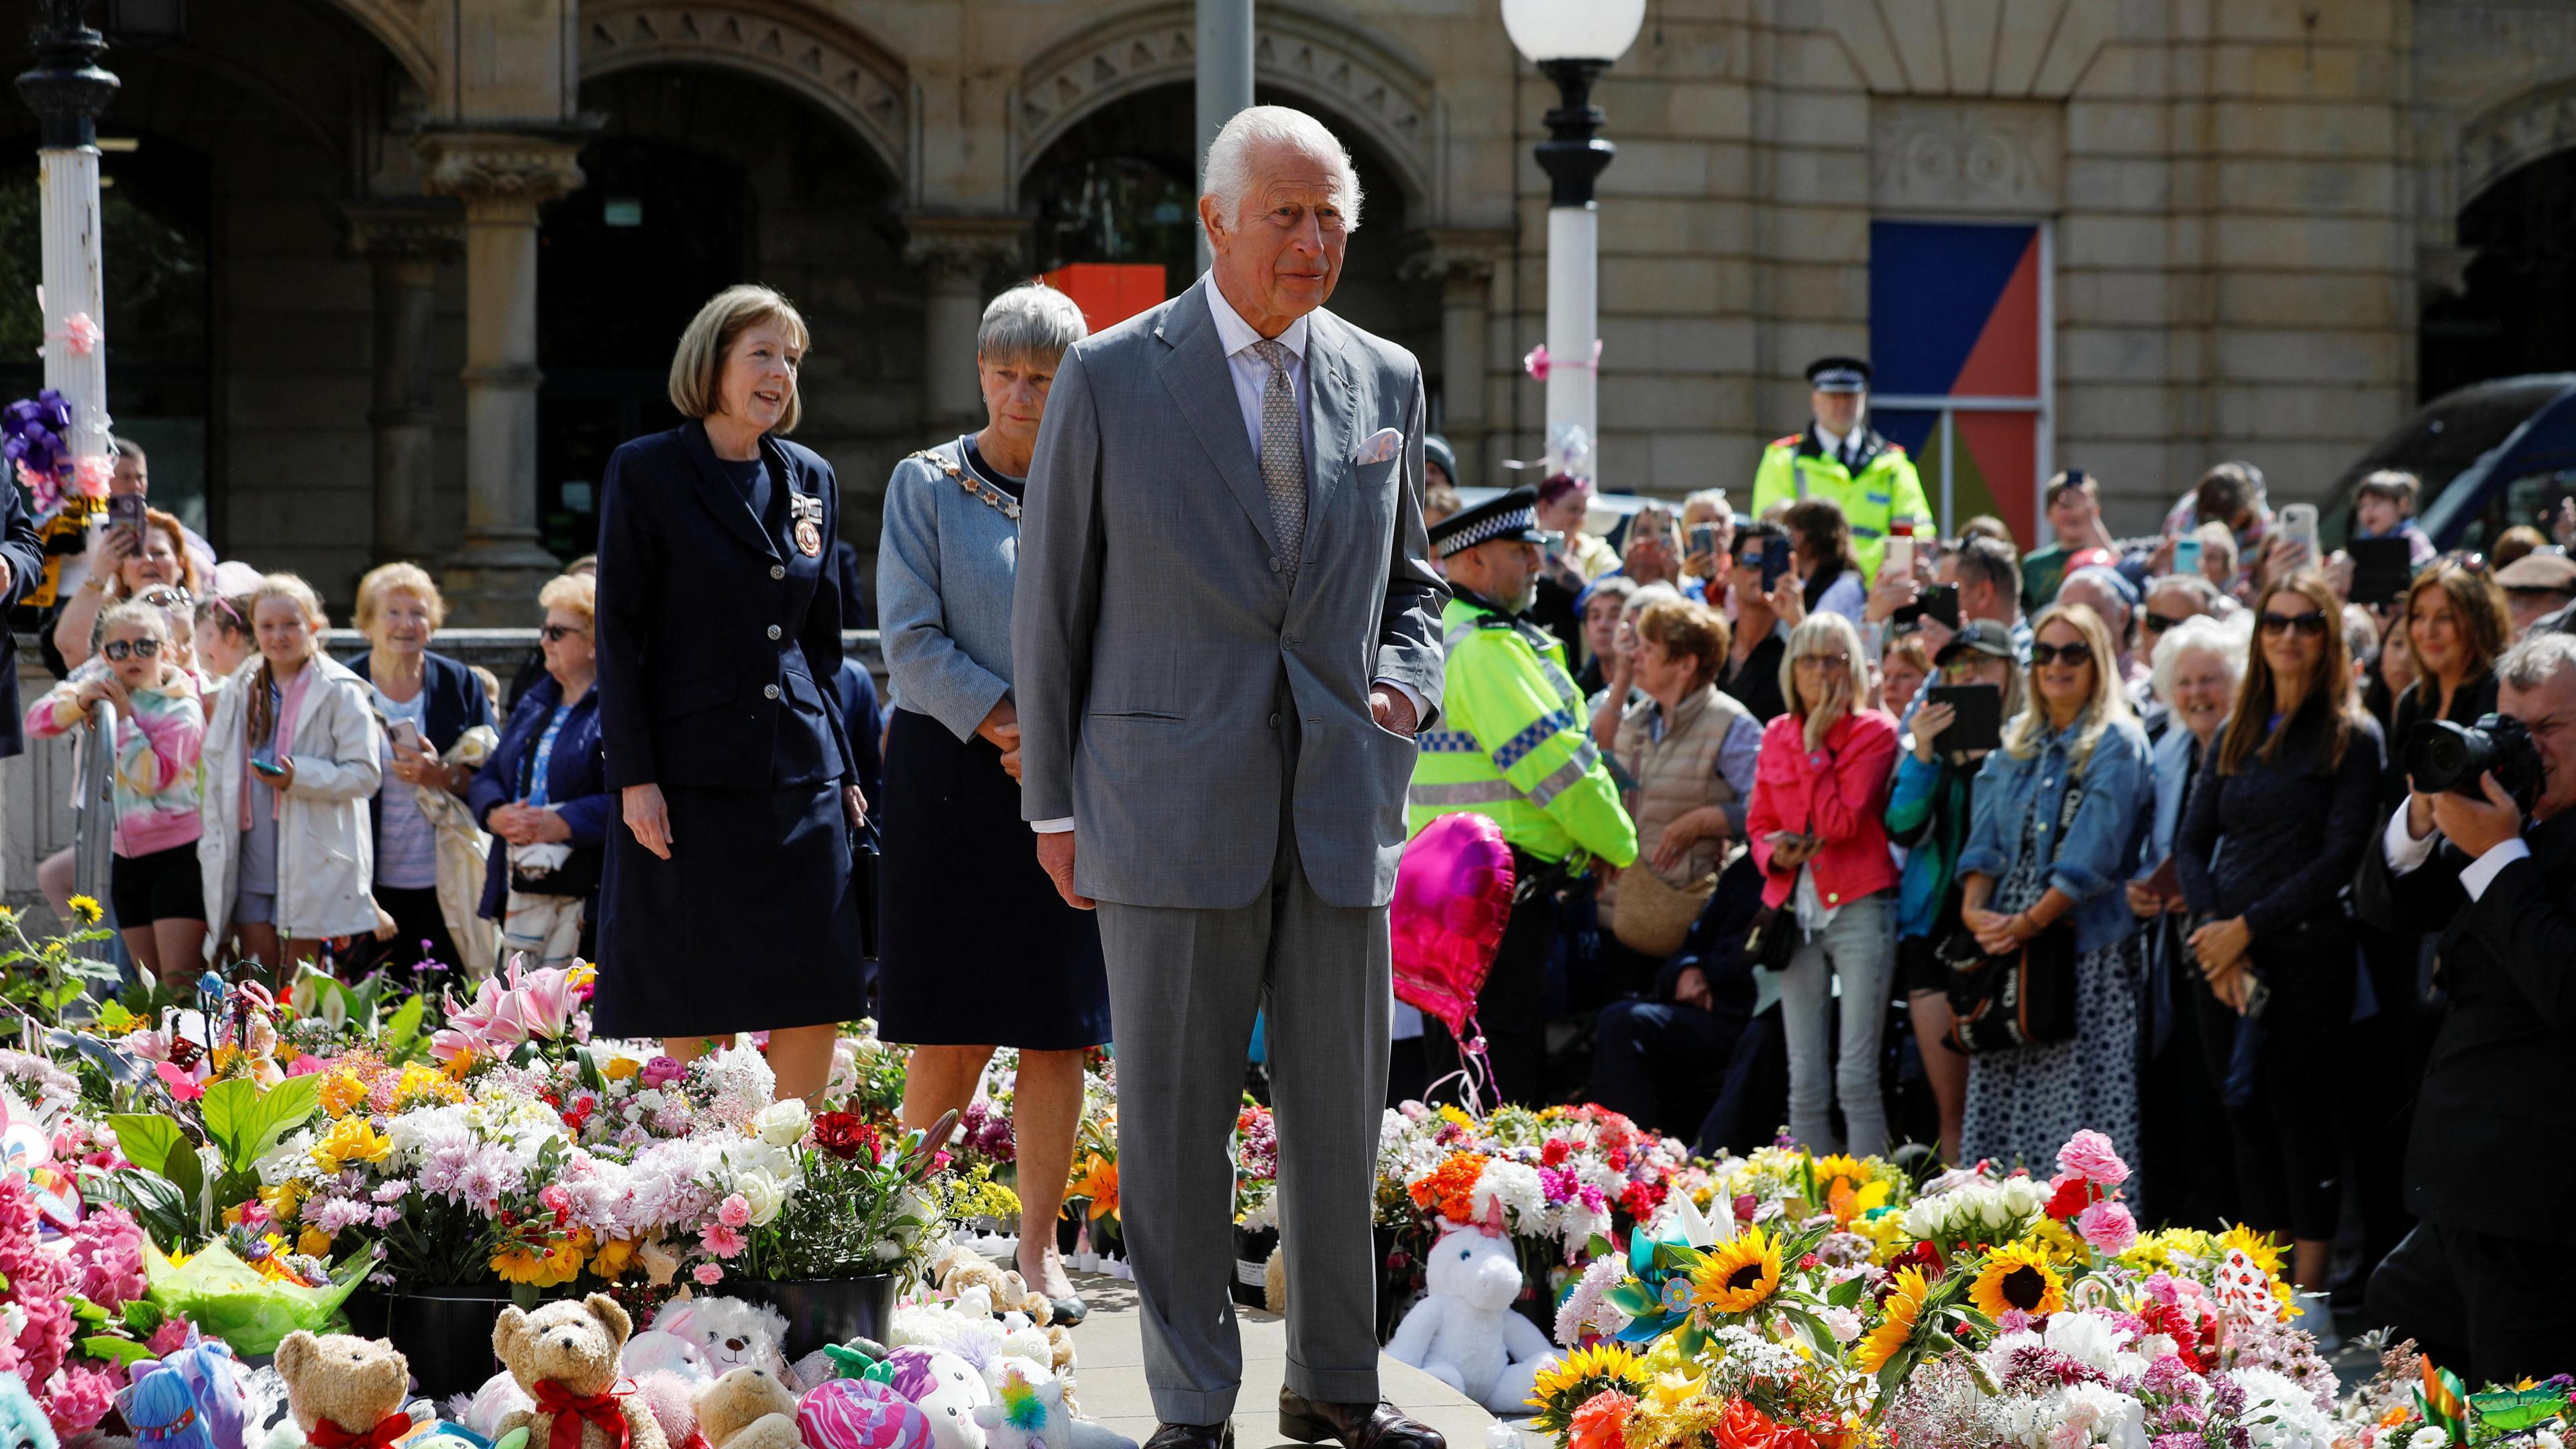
[(1463, 262), (503, 177), (961, 258), (405, 242)]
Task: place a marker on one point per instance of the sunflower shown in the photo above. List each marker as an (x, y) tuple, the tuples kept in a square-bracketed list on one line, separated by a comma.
[(1737, 1275), (1566, 1384), (1841, 1167), (1896, 1322), (2017, 1278), (85, 909)]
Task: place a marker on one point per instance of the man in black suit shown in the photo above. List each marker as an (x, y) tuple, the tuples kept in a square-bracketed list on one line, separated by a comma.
[(2486, 1282), (22, 567)]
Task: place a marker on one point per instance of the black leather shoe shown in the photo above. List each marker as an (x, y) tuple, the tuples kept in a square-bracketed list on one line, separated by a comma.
[(1354, 1426), (1193, 1436), (1068, 1311)]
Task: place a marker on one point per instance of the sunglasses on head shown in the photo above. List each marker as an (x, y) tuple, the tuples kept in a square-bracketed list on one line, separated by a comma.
[(2311, 623), (557, 633), (167, 596), (2078, 652), (121, 649)]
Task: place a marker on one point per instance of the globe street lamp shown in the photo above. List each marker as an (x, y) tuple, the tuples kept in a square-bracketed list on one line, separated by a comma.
[(1572, 42)]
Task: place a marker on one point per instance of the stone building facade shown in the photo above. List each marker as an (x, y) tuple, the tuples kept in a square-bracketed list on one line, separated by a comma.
[(400, 273)]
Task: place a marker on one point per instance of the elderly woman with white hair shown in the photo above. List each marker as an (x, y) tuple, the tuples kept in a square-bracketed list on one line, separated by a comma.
[(977, 949)]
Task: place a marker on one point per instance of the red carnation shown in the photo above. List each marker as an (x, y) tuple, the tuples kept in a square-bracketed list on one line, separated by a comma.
[(844, 1135), (2072, 1196)]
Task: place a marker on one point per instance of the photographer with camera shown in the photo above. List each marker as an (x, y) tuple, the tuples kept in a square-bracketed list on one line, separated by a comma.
[(2484, 851)]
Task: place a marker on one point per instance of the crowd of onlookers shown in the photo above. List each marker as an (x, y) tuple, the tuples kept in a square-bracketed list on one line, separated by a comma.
[(398, 808), (2180, 766)]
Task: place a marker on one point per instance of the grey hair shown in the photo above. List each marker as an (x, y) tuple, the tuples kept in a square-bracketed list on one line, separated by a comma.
[(2536, 660), (1031, 322), (1229, 173), (2203, 634), (2204, 592)]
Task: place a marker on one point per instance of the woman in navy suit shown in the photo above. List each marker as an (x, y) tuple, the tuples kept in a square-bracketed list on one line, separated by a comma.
[(727, 905)]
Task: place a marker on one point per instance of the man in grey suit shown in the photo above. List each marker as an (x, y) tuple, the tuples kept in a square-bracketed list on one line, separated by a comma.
[(1225, 633)]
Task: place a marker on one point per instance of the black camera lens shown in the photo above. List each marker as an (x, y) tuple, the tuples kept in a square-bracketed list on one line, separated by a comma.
[(2442, 756)]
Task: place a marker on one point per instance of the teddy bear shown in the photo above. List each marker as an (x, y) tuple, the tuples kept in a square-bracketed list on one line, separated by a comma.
[(701, 1338), (1464, 1332), (748, 1408), (344, 1392), (566, 1356)]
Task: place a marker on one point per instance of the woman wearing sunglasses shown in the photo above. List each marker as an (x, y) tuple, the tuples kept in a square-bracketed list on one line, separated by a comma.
[(160, 729), (544, 793), (2263, 868), (2052, 837)]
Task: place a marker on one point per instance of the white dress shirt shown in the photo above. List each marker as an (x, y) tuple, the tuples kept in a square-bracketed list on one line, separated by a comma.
[(1251, 375), (2406, 854)]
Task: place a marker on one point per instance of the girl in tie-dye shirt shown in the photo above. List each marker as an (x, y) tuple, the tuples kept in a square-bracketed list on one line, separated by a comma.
[(160, 727)]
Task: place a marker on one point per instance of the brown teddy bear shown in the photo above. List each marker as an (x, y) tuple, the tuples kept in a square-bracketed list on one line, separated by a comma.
[(748, 1408), (566, 1356), (345, 1391)]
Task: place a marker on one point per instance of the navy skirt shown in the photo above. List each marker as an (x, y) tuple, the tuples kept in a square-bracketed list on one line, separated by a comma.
[(974, 946), (751, 925)]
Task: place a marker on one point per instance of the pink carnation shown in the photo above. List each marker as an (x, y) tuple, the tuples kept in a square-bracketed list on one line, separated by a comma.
[(169, 1338), (2090, 1155), (2108, 1227), (707, 1274), (734, 1212), (721, 1240), (109, 1249), (85, 1396)]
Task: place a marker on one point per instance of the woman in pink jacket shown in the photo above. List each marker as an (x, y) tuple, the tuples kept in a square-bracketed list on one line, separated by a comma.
[(160, 728), (1816, 827)]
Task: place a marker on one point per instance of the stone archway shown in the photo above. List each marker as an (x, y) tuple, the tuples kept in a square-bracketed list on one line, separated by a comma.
[(851, 77), (396, 25), (1359, 79), (2511, 134)]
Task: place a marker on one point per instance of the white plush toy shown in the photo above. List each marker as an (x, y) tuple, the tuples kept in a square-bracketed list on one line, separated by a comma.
[(947, 1390), (1464, 1332), (701, 1339), (1028, 1412)]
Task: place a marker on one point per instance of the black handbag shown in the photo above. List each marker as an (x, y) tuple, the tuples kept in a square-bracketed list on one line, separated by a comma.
[(2024, 998), (1773, 939)]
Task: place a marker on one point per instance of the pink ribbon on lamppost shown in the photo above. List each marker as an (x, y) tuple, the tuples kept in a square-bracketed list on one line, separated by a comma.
[(1538, 363)]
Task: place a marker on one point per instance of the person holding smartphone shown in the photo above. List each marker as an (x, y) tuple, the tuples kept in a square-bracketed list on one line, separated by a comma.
[(293, 754), (1928, 813), (1768, 605), (2279, 818), (139, 548), (429, 872)]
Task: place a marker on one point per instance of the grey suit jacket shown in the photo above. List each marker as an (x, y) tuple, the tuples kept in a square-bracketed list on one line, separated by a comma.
[(1156, 637)]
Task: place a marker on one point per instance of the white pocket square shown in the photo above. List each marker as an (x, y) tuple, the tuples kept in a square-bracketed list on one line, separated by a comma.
[(1379, 447)]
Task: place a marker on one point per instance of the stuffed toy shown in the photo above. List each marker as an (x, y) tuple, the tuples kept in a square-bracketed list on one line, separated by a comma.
[(1029, 1412), (22, 1424), (345, 1392), (860, 1413), (484, 1410), (1464, 1332), (1017, 1297), (748, 1408), (164, 1415), (946, 1389), (702, 1338), (216, 1380), (566, 1356)]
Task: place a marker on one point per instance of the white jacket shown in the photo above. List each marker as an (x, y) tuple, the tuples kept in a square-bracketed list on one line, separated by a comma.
[(325, 839)]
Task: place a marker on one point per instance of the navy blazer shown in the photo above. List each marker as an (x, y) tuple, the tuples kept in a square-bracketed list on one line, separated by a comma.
[(457, 703), (24, 555), (576, 779), (716, 634), (862, 723)]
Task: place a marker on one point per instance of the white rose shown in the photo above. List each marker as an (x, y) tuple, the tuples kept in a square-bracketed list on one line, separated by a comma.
[(763, 1193), (782, 1124), (2428, 1437)]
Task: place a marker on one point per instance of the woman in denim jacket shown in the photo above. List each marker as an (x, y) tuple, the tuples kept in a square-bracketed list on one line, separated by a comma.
[(2075, 731)]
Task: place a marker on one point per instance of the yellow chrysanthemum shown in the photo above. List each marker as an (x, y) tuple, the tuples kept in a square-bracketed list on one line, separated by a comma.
[(2053, 1238), (1738, 1275), (2017, 1278), (1903, 1309), (1457, 1117), (2265, 1253), (351, 1140), (1598, 1364), (419, 1084), (85, 910), (340, 1091)]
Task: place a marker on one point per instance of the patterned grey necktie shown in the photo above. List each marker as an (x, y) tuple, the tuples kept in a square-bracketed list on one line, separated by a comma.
[(1283, 454)]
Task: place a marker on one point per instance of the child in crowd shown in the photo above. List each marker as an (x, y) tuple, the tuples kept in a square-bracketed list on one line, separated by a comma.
[(160, 728), (2383, 506)]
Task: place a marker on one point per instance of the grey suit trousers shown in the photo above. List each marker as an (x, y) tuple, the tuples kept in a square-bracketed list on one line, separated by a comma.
[(1183, 988)]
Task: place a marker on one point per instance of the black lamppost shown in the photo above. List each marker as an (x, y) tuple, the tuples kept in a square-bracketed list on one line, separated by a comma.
[(66, 89), (1573, 42)]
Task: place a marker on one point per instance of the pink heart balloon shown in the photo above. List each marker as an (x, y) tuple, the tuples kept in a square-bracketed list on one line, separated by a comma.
[(1453, 896)]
